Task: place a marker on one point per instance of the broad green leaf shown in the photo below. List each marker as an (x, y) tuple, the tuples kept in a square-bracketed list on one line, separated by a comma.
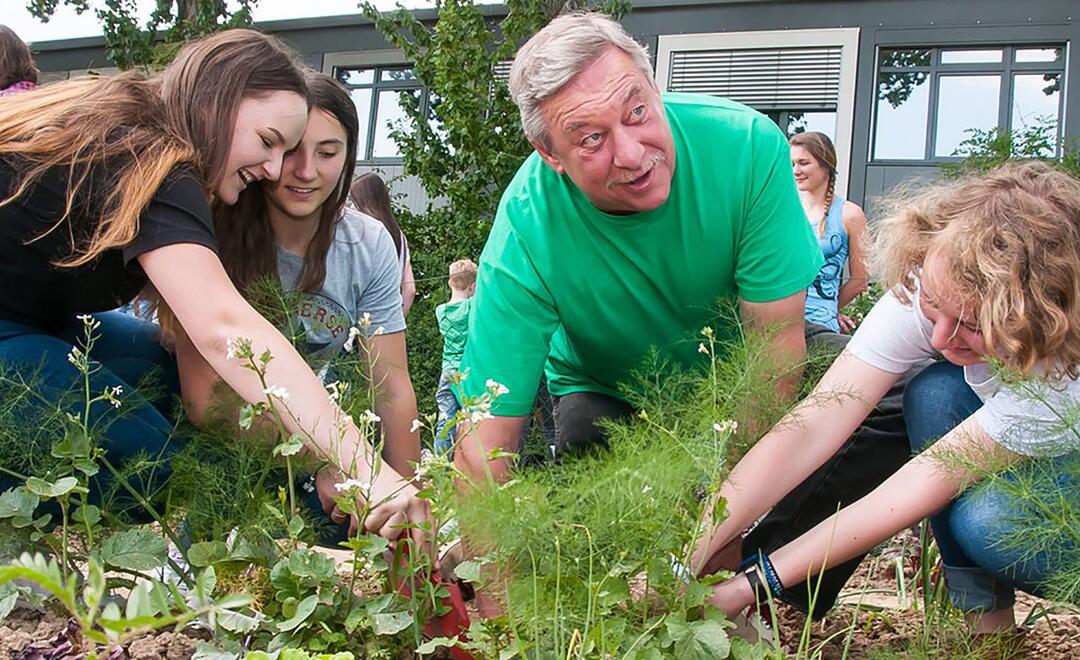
[(303, 611), (205, 583), (290, 447), (468, 571), (137, 549), (706, 640), (18, 502), (138, 603), (9, 595), (87, 515), (61, 486), (436, 643), (207, 552), (391, 623)]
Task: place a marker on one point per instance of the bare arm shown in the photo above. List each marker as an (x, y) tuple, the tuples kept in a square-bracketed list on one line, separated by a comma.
[(395, 401), (408, 288), (476, 441), (784, 318), (801, 442), (855, 226), (919, 489), (192, 281)]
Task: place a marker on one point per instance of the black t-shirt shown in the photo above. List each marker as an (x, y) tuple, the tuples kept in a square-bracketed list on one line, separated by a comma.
[(36, 292)]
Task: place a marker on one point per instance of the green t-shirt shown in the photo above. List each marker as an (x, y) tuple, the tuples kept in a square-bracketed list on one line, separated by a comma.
[(454, 326), (591, 293)]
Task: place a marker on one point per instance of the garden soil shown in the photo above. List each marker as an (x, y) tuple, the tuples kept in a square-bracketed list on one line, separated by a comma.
[(883, 623)]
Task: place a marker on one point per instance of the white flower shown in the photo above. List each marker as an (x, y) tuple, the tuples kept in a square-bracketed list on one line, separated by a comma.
[(365, 320), (336, 389), (354, 332), (85, 318), (276, 392), (415, 426), (370, 417), (496, 388), (645, 489), (75, 356), (352, 484), (707, 331), (701, 349), (475, 416), (379, 330), (115, 403), (308, 486), (118, 390), (726, 426), (236, 347)]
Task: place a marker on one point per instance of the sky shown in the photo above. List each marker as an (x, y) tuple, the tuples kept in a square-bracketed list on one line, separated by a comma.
[(66, 24)]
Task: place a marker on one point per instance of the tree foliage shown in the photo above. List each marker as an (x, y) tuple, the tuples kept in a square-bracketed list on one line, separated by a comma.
[(154, 44), (465, 145)]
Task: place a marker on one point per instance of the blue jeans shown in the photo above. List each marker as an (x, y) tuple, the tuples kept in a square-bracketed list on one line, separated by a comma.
[(128, 352), (982, 567), (448, 406)]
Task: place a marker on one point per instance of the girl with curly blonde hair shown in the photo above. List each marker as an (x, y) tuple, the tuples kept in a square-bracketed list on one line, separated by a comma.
[(983, 285)]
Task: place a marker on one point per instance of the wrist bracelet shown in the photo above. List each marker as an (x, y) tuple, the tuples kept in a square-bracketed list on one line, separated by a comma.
[(753, 576), (764, 568)]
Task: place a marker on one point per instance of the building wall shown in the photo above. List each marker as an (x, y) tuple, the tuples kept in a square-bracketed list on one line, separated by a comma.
[(880, 24)]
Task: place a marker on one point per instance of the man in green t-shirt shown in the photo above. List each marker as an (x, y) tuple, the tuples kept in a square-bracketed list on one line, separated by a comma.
[(637, 213)]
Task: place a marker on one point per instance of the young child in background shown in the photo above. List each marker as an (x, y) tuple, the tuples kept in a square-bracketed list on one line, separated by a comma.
[(453, 317)]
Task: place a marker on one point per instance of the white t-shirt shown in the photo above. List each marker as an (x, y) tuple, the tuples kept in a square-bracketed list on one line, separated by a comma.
[(1036, 417)]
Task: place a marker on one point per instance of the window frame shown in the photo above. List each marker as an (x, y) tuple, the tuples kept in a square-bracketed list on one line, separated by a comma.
[(1006, 70), (378, 62)]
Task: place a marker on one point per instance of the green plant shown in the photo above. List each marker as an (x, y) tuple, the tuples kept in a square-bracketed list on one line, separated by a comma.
[(171, 23), (587, 555), (986, 149)]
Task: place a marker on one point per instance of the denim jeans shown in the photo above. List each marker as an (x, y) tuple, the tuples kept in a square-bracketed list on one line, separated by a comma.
[(981, 566), (448, 406), (127, 352)]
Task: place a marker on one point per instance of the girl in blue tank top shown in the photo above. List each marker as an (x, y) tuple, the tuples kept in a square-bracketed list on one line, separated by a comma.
[(840, 227)]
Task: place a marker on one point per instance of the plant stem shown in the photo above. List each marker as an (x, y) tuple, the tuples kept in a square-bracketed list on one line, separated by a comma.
[(158, 519)]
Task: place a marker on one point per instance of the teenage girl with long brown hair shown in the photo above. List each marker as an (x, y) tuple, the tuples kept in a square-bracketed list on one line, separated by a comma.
[(341, 262), (107, 186)]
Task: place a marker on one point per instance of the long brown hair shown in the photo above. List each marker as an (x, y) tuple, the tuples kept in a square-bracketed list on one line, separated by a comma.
[(16, 62), (1010, 241), (245, 238), (821, 149), (142, 128), (370, 195)]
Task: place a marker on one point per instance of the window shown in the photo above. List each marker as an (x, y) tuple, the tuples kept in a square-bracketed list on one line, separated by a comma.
[(929, 99), (380, 94)]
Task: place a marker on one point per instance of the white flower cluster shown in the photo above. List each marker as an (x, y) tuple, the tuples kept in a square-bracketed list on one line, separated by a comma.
[(354, 332), (352, 485), (276, 392), (89, 321), (336, 389), (728, 426), (369, 417), (238, 348)]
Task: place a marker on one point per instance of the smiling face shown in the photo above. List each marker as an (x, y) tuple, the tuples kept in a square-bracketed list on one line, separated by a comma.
[(312, 171), (809, 172), (956, 332), (609, 133), (266, 127)]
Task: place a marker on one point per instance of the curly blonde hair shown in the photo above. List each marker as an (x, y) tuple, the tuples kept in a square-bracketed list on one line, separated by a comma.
[(1010, 240)]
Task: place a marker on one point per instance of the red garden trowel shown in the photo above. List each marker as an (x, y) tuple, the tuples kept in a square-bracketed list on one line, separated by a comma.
[(453, 623)]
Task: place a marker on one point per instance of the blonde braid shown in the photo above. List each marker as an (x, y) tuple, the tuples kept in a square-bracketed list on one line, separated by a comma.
[(830, 197)]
